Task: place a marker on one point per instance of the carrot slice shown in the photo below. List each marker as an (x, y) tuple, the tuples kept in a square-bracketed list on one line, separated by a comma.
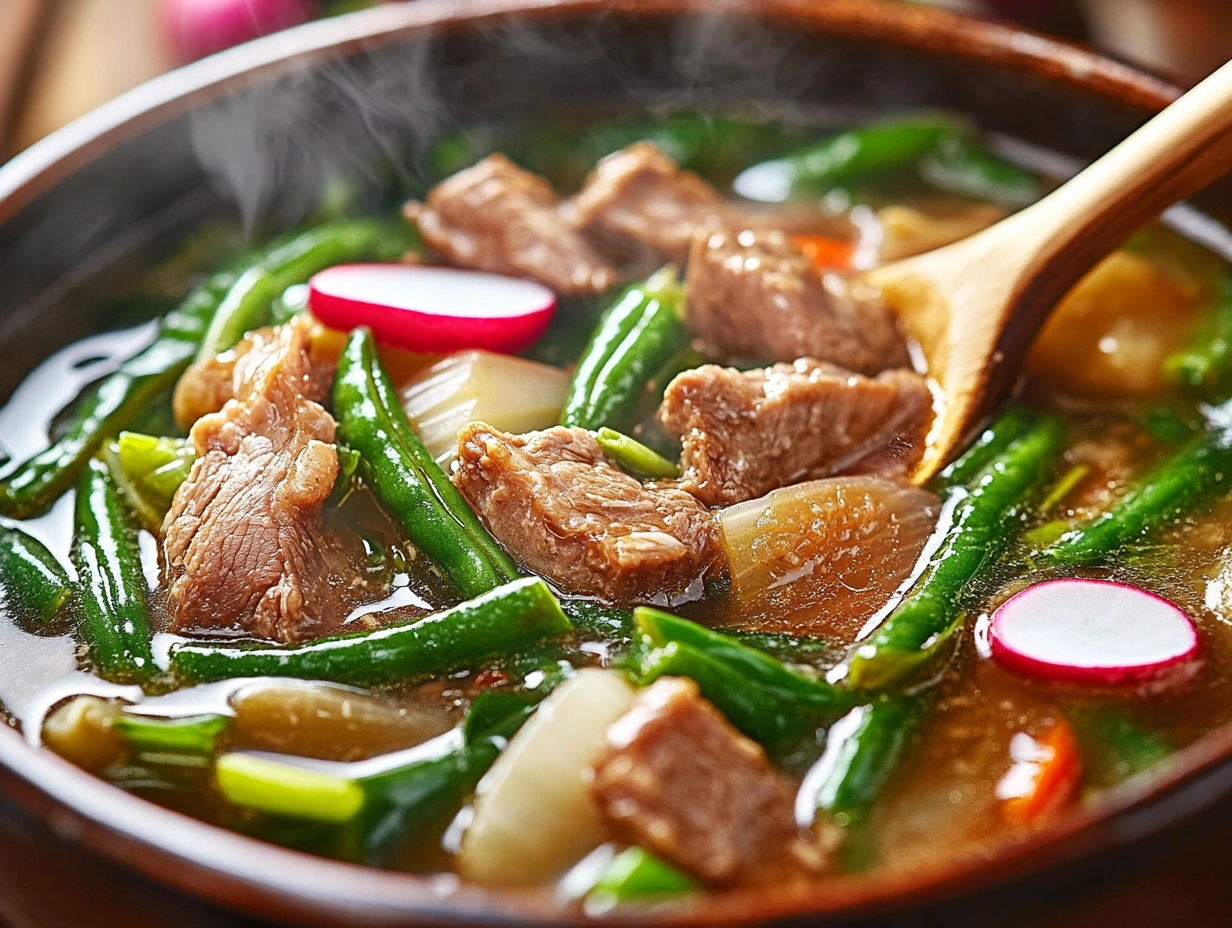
[(1056, 776), (825, 252)]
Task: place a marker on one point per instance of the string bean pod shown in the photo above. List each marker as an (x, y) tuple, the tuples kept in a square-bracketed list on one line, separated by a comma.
[(844, 157), (112, 587), (990, 443), (985, 521), (503, 621), (410, 485), (642, 331), (1206, 362), (247, 303), (33, 585), (1198, 470), (757, 694), (214, 315), (868, 745)]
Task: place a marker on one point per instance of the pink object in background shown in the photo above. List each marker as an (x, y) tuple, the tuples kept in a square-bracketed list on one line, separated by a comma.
[(196, 28)]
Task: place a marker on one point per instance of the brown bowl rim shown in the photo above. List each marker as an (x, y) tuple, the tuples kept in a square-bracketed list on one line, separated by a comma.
[(267, 881)]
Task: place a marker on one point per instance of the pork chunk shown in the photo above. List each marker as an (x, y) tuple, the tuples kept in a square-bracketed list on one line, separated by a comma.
[(497, 217), (745, 433), (205, 387), (752, 295), (678, 779), (639, 194), (556, 503), (207, 384), (242, 542)]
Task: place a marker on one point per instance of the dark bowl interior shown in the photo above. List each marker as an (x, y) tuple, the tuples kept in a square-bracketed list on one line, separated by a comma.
[(252, 135)]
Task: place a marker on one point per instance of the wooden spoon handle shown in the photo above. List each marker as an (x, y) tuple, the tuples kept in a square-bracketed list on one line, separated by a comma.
[(1179, 152)]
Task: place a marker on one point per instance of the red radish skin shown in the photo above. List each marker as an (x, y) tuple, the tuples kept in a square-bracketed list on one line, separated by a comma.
[(196, 28), (1096, 632), (434, 310)]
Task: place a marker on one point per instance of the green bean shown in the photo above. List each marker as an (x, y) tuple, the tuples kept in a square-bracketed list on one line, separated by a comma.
[(985, 521), (993, 441), (247, 303), (372, 814), (757, 694), (1199, 470), (501, 621), (148, 470), (635, 458), (211, 315), (1168, 425), (1063, 488), (114, 402), (847, 156), (635, 874), (714, 146), (288, 305), (399, 800), (767, 716), (112, 586), (756, 666), (858, 766), (409, 484), (790, 648), (960, 165), (1206, 362), (608, 622), (33, 585), (1117, 746), (640, 333)]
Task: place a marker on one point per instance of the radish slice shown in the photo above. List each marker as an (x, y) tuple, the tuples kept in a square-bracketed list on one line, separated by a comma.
[(1091, 631), (196, 28), (434, 310)]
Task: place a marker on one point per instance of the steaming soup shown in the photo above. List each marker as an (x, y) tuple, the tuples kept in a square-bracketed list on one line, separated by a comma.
[(565, 529)]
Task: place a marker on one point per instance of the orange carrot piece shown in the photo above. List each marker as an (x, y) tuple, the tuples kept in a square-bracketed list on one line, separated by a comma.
[(1058, 775), (826, 252)]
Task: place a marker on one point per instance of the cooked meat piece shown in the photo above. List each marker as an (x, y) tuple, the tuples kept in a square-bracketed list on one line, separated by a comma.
[(752, 295), (497, 217), (679, 780), (553, 500), (746, 433), (242, 543), (207, 385), (640, 194)]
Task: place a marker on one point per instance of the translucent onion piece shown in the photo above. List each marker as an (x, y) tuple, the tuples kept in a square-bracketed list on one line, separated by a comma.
[(819, 558)]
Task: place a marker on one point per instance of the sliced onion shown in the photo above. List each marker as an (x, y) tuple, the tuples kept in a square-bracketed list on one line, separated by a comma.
[(819, 558), (511, 394)]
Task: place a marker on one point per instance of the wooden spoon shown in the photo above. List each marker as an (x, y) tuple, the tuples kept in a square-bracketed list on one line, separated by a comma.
[(975, 306)]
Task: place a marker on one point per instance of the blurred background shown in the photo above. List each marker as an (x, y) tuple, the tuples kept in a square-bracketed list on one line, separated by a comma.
[(62, 58)]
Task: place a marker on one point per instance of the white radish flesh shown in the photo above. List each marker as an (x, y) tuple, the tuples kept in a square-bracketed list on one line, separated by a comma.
[(433, 309), (1092, 631), (533, 816)]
